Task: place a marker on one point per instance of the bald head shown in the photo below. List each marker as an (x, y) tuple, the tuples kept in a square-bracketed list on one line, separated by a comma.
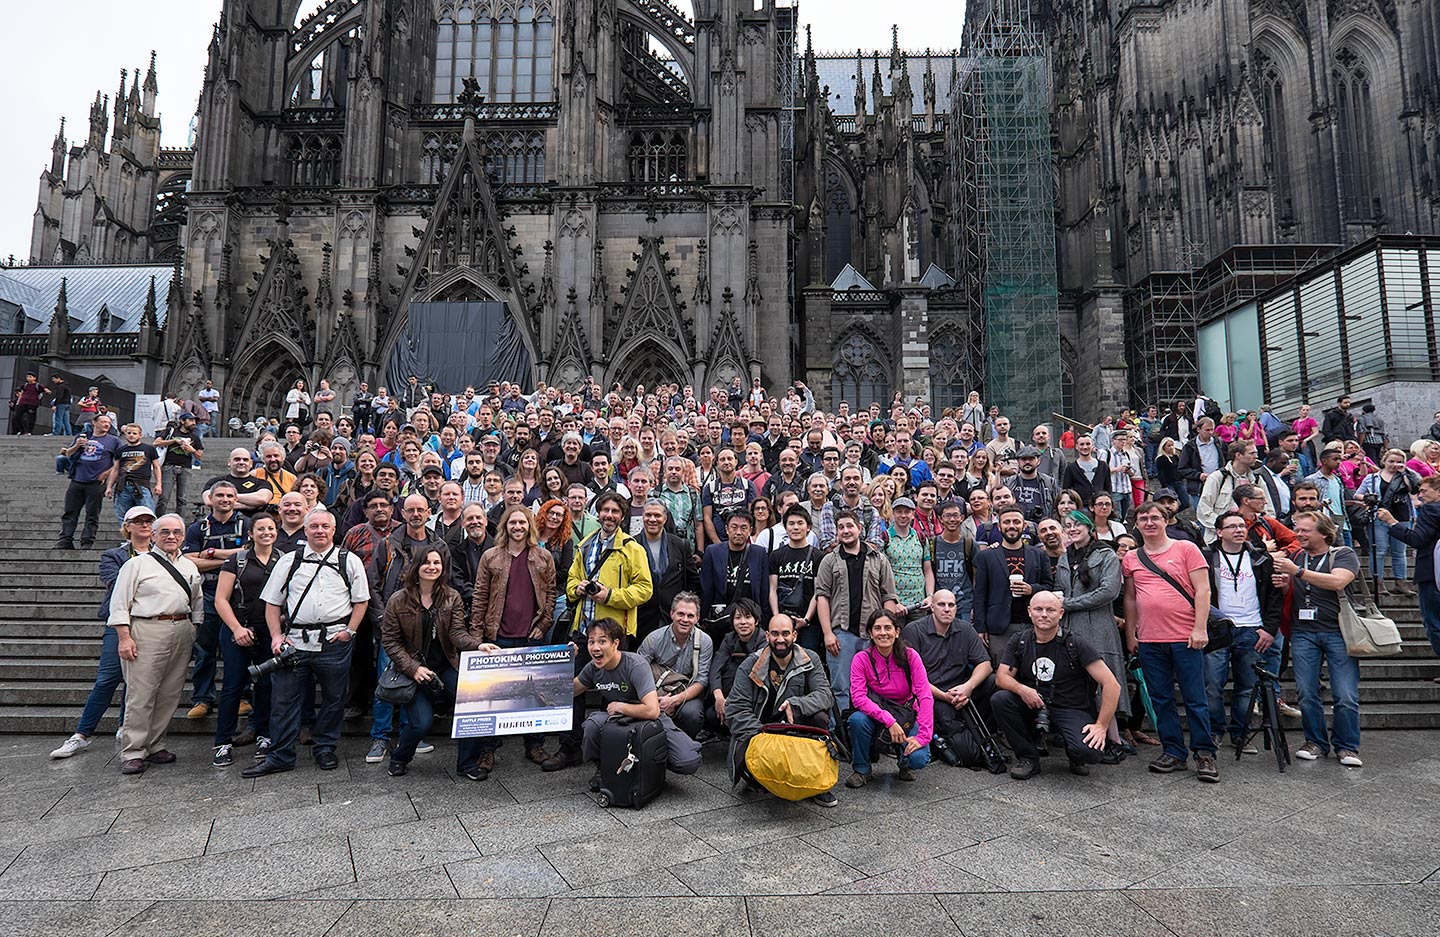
[(1046, 609)]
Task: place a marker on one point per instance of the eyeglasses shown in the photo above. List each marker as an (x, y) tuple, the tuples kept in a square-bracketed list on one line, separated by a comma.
[(169, 533)]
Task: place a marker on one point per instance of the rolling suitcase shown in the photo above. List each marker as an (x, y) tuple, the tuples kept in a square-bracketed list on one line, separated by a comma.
[(632, 762)]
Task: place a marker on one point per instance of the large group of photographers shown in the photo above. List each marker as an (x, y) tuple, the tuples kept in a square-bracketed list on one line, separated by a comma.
[(921, 584)]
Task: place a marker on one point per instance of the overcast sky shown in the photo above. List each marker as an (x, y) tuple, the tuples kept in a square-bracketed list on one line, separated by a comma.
[(51, 67)]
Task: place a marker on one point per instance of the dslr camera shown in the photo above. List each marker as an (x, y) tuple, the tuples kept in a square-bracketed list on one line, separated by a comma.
[(285, 660), (591, 588)]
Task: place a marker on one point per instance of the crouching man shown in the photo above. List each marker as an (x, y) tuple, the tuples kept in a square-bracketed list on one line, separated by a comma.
[(1045, 683), (781, 682), (627, 687)]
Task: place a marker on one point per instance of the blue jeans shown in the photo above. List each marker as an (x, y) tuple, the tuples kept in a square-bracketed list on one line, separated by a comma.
[(1346, 537), (330, 667), (237, 678), (1183, 495), (850, 645), (1430, 613), (1166, 664), (129, 496), (1235, 660), (862, 734), (207, 645), (107, 678), (1122, 504), (419, 716), (1384, 543), (1308, 649), (382, 714), (60, 420)]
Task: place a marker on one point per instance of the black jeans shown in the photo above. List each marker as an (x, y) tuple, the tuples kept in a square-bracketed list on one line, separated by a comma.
[(87, 495), (420, 716), (329, 667), (1018, 723), (24, 420)]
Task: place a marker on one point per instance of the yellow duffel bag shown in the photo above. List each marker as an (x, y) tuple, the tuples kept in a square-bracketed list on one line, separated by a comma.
[(793, 762)]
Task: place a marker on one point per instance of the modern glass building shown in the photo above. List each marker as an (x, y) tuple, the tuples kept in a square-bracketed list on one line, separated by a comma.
[(1359, 323)]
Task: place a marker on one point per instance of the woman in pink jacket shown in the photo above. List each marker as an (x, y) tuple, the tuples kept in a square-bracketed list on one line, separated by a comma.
[(890, 694)]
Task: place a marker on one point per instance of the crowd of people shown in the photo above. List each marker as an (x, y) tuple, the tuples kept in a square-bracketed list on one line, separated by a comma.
[(924, 582)]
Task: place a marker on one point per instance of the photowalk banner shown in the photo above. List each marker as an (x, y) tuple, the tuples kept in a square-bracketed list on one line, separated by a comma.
[(514, 691)]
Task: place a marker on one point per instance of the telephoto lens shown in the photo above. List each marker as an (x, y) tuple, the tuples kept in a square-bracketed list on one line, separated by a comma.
[(282, 661), (1042, 720)]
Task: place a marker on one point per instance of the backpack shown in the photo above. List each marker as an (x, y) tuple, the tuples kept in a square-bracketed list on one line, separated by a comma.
[(342, 559), (1072, 653)]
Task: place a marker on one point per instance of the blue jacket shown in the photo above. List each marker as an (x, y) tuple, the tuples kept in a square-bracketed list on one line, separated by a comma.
[(712, 579), (110, 562), (992, 585), (1422, 535)]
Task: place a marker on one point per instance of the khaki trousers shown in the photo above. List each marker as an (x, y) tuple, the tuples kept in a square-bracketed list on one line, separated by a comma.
[(153, 683)]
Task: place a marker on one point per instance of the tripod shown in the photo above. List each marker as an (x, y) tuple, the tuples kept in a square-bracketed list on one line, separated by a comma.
[(1267, 689), (995, 759)]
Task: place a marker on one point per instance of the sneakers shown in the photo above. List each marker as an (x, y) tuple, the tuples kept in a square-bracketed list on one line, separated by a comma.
[(262, 748), (1167, 764), (1286, 709), (74, 745), (1310, 752), (198, 711), (424, 748), (378, 750), (1205, 768), (1025, 769), (223, 757), (826, 799), (1080, 769), (857, 780), (1350, 759), (397, 768)]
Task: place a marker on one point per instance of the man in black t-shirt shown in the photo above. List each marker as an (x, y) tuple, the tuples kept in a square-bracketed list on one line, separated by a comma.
[(252, 495), (180, 443), (137, 473), (1044, 682), (792, 579)]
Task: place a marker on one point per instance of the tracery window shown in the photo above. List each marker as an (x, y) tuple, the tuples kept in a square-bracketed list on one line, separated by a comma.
[(658, 156), (839, 220), (516, 156), (1276, 140), (950, 382), (507, 52), (1356, 123), (859, 374), (314, 159)]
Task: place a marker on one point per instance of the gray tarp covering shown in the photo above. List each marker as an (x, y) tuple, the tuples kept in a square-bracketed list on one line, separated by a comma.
[(455, 344)]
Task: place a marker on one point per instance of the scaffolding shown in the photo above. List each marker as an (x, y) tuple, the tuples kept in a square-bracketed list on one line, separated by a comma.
[(1011, 266)]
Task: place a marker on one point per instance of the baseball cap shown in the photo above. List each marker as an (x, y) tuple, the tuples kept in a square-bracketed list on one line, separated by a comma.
[(432, 470), (903, 503), (1164, 493), (138, 510)]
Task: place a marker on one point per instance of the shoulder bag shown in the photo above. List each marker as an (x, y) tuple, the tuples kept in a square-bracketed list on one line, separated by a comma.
[(669, 681), (1370, 634), (1219, 630)]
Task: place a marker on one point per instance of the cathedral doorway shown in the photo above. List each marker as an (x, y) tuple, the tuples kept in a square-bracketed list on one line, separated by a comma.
[(454, 344), (263, 384)]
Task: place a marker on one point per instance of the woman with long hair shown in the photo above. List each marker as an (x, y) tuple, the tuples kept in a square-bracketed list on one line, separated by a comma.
[(1106, 527), (553, 484), (245, 639), (1067, 501), (297, 405), (1088, 576), (629, 457), (552, 520), (1252, 431), (900, 477), (890, 696), (762, 512), (423, 632), (1167, 470), (389, 439), (977, 474), (527, 469), (1424, 455), (362, 481)]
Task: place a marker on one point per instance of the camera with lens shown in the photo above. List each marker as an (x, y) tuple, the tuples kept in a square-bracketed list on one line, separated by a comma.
[(285, 660), (1042, 720), (1371, 501), (591, 588)]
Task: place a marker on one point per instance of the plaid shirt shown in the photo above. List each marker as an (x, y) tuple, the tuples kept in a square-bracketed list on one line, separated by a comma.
[(362, 540)]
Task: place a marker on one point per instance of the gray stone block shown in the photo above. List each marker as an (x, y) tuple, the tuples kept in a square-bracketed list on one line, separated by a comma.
[(694, 917), (614, 854), (289, 868), (224, 918), (501, 830), (444, 918), (816, 917), (524, 873), (1051, 915), (66, 918), (798, 869), (407, 846)]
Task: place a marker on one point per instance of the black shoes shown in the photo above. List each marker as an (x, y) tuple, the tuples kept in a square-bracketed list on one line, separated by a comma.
[(1167, 764), (260, 769), (397, 768), (1025, 769), (326, 760), (1080, 768)]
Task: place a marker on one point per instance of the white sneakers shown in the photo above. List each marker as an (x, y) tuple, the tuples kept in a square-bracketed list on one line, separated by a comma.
[(1309, 752), (1351, 760), (74, 745)]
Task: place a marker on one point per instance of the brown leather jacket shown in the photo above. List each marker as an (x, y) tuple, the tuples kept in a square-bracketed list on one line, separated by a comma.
[(487, 603), (400, 632)]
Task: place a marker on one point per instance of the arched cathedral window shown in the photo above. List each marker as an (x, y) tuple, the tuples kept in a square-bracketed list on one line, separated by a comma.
[(1356, 124), (658, 156), (1277, 153), (508, 52), (950, 380), (859, 375), (314, 159), (839, 219)]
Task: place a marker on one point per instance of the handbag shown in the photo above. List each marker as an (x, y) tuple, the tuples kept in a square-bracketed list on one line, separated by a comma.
[(793, 762), (395, 686), (1219, 630), (1370, 634), (669, 681)]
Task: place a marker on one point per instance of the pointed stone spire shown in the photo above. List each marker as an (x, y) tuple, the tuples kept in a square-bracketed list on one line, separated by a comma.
[(149, 345), (877, 85), (57, 153), (152, 84), (860, 85), (120, 97), (99, 122), (894, 48), (59, 341)]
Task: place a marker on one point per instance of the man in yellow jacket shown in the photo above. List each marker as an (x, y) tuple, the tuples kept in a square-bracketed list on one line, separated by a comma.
[(609, 578)]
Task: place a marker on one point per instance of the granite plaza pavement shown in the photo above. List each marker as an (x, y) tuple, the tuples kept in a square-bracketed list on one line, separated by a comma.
[(190, 850)]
